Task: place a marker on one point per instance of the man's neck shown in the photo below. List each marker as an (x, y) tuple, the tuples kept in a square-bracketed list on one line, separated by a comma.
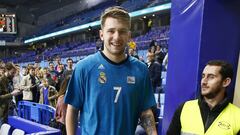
[(115, 58)]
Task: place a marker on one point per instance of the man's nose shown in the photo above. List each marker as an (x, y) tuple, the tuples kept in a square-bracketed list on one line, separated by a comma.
[(204, 80)]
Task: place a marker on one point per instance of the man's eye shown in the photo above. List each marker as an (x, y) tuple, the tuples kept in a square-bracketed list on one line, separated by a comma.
[(110, 31), (211, 77), (123, 31)]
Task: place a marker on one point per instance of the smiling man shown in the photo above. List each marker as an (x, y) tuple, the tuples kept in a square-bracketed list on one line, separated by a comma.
[(110, 89), (212, 114)]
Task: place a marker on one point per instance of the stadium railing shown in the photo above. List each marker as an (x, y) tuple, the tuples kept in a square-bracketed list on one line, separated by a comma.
[(39, 113)]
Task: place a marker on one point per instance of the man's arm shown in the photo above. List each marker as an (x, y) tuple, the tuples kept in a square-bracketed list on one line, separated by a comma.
[(71, 120), (2, 89), (175, 125), (148, 122)]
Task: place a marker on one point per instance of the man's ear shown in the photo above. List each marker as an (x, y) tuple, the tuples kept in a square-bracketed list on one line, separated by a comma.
[(101, 34), (226, 82)]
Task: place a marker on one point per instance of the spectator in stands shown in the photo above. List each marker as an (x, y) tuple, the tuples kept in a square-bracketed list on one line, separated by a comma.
[(61, 69), (37, 69), (17, 82), (30, 65), (151, 51), (47, 75), (149, 24), (99, 45), (61, 107), (24, 71), (2, 70), (150, 57), (60, 76), (152, 46), (39, 74), (69, 69), (159, 54), (132, 49), (132, 52), (212, 113), (58, 63), (53, 73), (48, 94), (29, 85), (114, 101), (7, 91), (36, 66), (155, 69)]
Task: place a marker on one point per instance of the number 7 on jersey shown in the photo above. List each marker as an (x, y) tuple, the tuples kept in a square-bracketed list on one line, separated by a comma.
[(118, 89)]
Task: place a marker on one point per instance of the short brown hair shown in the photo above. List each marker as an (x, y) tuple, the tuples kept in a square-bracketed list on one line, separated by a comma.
[(9, 66), (226, 68), (31, 68), (115, 12)]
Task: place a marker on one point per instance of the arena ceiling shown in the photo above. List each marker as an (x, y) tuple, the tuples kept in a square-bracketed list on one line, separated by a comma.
[(35, 7), (29, 10)]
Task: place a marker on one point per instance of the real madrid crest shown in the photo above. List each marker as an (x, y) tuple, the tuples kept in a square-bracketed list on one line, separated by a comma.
[(102, 77)]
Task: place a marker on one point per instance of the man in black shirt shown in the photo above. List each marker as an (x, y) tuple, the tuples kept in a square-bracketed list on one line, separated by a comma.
[(7, 91)]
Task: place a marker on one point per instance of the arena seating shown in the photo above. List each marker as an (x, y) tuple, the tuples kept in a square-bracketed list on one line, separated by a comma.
[(161, 35)]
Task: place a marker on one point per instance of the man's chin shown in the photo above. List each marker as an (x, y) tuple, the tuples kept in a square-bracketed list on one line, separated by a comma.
[(117, 52), (208, 95), (204, 93)]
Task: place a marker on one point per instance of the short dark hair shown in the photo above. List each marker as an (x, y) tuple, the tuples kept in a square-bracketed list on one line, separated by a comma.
[(9, 66), (31, 68), (226, 68), (50, 63), (69, 59)]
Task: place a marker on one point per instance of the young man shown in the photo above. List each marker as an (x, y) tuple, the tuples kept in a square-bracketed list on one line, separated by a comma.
[(110, 89), (212, 114), (58, 63), (53, 73), (7, 91), (69, 69)]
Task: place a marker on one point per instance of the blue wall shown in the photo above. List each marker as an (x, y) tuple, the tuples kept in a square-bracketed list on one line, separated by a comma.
[(200, 30)]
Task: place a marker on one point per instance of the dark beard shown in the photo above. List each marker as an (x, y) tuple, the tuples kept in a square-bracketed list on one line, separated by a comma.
[(213, 94)]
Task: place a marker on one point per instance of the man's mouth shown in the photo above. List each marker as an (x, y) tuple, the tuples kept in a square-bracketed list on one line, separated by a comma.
[(204, 87), (116, 44)]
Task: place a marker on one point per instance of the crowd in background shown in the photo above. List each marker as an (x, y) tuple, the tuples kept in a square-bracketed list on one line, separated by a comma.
[(47, 85), (44, 85)]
